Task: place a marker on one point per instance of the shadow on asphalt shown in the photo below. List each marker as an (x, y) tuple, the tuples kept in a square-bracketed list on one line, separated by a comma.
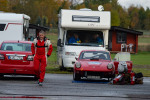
[(91, 81)]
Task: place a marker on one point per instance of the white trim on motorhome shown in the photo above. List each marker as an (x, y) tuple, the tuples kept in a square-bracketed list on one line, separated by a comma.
[(13, 18)]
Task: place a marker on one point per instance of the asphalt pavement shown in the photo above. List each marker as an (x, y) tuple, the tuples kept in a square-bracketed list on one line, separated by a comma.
[(62, 87)]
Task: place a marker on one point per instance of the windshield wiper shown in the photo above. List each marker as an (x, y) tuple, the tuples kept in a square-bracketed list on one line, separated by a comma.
[(72, 44), (84, 44), (88, 44)]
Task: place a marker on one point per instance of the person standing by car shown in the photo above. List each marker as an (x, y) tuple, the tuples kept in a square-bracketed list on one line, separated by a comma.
[(41, 49)]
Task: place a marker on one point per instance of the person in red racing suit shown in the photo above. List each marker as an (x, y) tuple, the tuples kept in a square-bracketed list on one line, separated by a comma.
[(41, 48)]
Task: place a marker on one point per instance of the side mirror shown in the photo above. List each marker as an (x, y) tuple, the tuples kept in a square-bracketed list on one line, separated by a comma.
[(76, 58), (59, 43)]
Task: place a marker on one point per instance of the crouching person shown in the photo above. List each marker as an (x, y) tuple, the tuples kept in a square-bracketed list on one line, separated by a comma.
[(41, 49)]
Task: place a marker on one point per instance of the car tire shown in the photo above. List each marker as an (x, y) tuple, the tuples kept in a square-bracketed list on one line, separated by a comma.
[(76, 76), (113, 76), (1, 76), (36, 78)]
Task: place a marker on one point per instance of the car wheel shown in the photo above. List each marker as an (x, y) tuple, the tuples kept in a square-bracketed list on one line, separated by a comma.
[(110, 79), (113, 76), (76, 76), (62, 68), (1, 75), (36, 77)]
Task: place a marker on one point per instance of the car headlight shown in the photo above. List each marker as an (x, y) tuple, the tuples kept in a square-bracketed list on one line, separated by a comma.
[(122, 67), (110, 66), (78, 64), (70, 53)]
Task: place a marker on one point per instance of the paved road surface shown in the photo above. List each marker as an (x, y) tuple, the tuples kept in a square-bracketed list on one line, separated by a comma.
[(62, 87)]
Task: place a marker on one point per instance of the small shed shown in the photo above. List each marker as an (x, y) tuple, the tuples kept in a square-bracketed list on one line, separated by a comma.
[(123, 39), (35, 29)]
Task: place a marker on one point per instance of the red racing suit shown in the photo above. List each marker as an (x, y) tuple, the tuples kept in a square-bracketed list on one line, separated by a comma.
[(41, 49)]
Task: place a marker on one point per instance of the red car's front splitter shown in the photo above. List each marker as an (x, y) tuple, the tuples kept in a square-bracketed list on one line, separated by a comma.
[(101, 73)]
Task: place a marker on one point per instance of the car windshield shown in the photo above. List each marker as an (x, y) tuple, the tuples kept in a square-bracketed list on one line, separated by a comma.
[(84, 38), (95, 55), (16, 47)]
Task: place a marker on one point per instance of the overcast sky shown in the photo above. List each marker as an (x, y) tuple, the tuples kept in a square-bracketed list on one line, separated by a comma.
[(127, 3)]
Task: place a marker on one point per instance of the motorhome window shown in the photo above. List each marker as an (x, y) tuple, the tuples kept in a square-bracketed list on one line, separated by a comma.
[(121, 37), (32, 34), (84, 38), (95, 55), (2, 27), (85, 18), (26, 29)]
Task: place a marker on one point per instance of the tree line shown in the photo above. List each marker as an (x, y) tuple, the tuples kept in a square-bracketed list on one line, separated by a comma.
[(45, 12)]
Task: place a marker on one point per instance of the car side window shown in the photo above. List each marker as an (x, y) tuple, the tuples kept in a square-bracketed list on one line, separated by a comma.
[(2, 27)]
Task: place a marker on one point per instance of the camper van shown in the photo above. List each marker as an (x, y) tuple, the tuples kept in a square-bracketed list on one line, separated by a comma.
[(79, 30), (13, 26)]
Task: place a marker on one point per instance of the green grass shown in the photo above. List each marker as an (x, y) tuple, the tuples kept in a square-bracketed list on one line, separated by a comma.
[(53, 37), (145, 32), (142, 58), (54, 30), (144, 70), (144, 40)]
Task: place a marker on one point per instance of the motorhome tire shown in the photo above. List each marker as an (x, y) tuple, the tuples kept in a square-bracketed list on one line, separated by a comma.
[(62, 68)]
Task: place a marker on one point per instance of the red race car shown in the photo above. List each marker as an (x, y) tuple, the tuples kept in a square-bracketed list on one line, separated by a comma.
[(16, 58), (92, 64)]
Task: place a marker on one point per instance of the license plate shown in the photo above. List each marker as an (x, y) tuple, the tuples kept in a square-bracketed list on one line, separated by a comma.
[(94, 77), (15, 58)]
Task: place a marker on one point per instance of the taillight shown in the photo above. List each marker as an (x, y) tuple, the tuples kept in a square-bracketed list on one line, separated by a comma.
[(30, 58), (2, 57)]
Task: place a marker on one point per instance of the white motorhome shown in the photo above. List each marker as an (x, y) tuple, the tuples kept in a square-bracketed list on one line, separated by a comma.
[(13, 26), (88, 25)]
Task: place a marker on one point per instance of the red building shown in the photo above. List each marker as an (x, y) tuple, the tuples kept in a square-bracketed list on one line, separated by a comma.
[(123, 39)]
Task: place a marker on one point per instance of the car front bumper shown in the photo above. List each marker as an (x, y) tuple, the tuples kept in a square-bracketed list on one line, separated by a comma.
[(101, 73)]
